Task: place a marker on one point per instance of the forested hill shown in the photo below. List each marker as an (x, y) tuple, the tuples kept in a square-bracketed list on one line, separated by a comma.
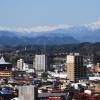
[(28, 51)]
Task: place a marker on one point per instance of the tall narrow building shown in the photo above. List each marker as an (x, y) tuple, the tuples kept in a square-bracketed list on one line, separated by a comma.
[(75, 68), (40, 64)]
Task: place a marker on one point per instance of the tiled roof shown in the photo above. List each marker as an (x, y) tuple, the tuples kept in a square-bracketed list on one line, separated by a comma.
[(2, 61)]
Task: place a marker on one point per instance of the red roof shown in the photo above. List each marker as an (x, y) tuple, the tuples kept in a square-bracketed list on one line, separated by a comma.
[(53, 98)]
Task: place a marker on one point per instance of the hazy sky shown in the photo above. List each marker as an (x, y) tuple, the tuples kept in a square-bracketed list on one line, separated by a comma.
[(27, 13)]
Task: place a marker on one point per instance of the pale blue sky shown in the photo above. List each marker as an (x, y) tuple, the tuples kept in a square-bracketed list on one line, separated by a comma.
[(28, 13)]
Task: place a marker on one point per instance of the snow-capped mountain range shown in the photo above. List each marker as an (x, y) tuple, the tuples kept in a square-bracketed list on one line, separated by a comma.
[(62, 34), (91, 26)]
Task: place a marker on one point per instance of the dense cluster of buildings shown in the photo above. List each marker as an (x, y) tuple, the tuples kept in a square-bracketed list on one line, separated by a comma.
[(70, 79)]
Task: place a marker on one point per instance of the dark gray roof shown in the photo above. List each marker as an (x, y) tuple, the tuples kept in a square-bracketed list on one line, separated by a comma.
[(44, 95)]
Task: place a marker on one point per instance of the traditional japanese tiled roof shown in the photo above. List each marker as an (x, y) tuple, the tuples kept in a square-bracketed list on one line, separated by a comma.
[(2, 61)]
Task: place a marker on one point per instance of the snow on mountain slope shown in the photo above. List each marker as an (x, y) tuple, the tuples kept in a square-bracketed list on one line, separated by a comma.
[(83, 33), (93, 26)]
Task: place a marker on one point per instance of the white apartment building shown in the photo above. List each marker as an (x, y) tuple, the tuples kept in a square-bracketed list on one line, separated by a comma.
[(40, 63), (21, 65)]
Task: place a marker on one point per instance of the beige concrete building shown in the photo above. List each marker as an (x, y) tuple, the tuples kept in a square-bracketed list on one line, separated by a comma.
[(97, 68), (75, 68)]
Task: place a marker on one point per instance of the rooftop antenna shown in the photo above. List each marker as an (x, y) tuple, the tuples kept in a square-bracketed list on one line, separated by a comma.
[(25, 46), (44, 47), (45, 53)]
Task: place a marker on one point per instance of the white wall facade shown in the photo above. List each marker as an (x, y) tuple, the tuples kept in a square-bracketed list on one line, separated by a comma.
[(40, 63)]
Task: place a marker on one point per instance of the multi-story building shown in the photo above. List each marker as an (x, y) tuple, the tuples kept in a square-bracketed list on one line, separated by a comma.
[(97, 68), (21, 65), (28, 93), (40, 64), (5, 68), (75, 68)]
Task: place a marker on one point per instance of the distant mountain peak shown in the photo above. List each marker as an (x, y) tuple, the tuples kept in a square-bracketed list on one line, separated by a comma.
[(82, 33), (93, 26)]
